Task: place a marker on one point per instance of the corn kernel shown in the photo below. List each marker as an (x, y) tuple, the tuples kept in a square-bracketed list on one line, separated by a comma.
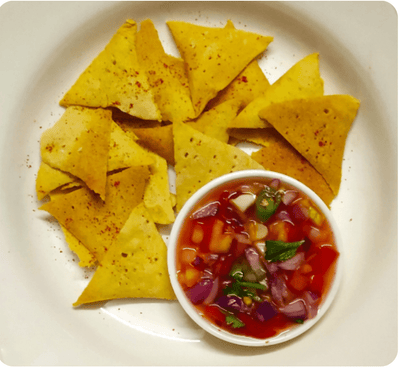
[(247, 300)]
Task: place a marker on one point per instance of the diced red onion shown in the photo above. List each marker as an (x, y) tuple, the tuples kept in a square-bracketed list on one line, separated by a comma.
[(213, 293), (289, 196), (279, 289), (242, 238), (314, 234), (253, 258), (296, 309), (208, 210), (284, 216), (265, 311), (272, 267), (311, 302), (292, 263), (300, 212), (199, 292), (231, 303), (275, 183)]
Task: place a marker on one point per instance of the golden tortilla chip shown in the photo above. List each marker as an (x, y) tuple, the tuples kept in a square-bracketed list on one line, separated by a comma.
[(134, 267), (78, 144), (215, 122), (125, 152), (248, 85), (157, 198), (200, 159), (86, 258), (116, 78), (49, 179), (166, 74), (279, 156), (96, 223), (302, 80), (159, 140), (317, 128), (214, 56), (128, 122)]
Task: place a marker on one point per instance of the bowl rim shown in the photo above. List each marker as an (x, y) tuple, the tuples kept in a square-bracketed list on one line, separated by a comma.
[(193, 312)]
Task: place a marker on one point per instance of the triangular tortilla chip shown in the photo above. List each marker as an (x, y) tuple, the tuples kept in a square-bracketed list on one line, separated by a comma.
[(125, 152), (214, 56), (49, 179), (94, 222), (248, 85), (78, 144), (167, 76), (200, 159), (134, 267), (159, 140), (302, 80), (115, 78), (215, 122), (86, 258), (157, 198), (317, 128), (279, 156)]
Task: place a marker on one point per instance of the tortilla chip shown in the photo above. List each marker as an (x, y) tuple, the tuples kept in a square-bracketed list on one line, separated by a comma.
[(134, 267), (200, 159), (86, 258), (279, 156), (157, 198), (125, 152), (317, 128), (49, 179), (128, 122), (248, 85), (94, 222), (158, 140), (215, 122), (302, 80), (166, 74), (115, 78), (214, 56), (78, 144)]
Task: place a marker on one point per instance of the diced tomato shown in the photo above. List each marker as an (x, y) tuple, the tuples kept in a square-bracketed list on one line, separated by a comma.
[(317, 284), (214, 313), (298, 281), (325, 256), (223, 265)]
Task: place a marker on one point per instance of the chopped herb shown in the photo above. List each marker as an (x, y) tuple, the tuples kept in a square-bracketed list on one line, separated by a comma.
[(233, 321), (278, 250), (300, 321)]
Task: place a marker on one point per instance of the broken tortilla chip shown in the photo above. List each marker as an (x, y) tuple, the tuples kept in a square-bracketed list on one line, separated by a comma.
[(134, 267), (49, 179), (125, 152), (214, 56), (158, 140), (200, 159), (78, 144), (86, 258), (279, 156), (115, 78), (247, 86), (317, 128), (157, 198), (96, 223), (215, 122), (166, 74), (302, 80)]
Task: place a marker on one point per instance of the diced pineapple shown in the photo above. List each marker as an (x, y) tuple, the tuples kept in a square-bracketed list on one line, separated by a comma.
[(198, 234), (315, 216)]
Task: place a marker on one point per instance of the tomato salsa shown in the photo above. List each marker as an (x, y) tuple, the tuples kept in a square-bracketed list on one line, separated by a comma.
[(256, 258)]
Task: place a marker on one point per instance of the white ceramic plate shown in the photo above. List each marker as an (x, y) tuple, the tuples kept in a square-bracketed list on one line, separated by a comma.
[(45, 45)]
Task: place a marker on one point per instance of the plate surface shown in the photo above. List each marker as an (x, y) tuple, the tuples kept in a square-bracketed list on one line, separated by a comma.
[(46, 45)]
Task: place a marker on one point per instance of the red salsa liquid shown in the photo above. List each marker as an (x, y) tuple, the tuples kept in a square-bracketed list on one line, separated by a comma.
[(223, 265)]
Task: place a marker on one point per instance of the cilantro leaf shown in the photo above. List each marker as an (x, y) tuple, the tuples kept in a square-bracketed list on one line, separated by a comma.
[(235, 322), (278, 250)]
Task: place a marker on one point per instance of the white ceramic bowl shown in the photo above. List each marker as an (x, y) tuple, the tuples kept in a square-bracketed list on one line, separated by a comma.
[(194, 313)]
